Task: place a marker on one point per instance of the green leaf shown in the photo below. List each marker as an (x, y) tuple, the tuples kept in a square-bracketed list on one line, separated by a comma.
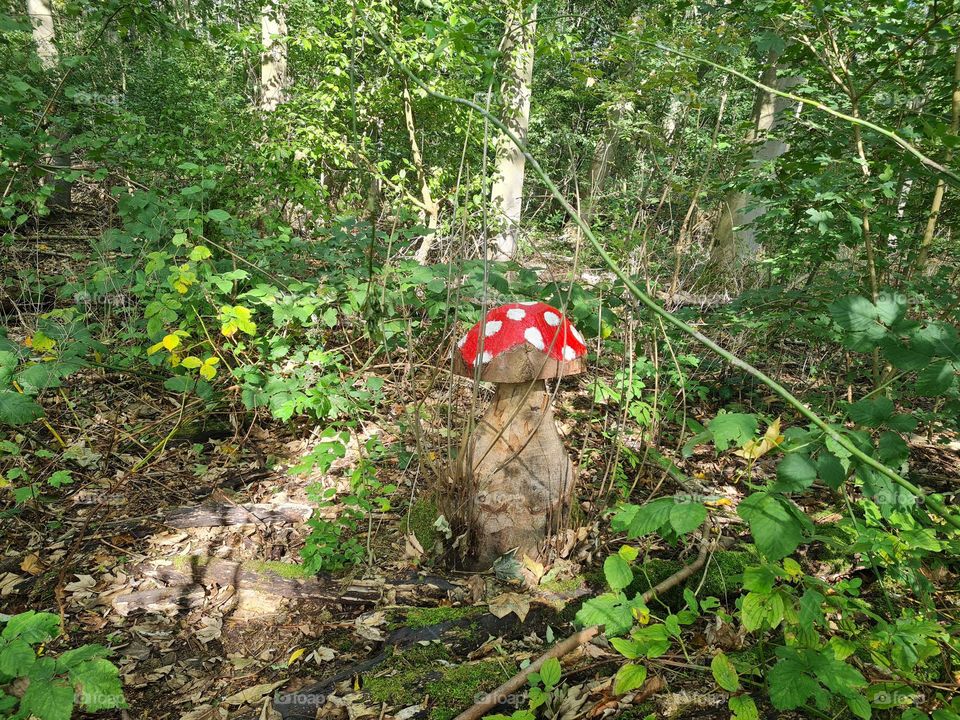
[(16, 658), (860, 321), (936, 378), (647, 518), (725, 673), (790, 686), (794, 473), (735, 428), (199, 253), (687, 516), (776, 531), (550, 672), (17, 409), (761, 610), (871, 412), (759, 578), (830, 470), (617, 572), (859, 706), (629, 677), (610, 610), (218, 215), (98, 684), (32, 627), (48, 701), (743, 708)]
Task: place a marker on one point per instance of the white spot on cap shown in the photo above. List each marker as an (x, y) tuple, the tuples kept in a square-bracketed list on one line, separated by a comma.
[(492, 327), (577, 335), (485, 358), (462, 341), (569, 353), (533, 336), (516, 313), (552, 318), (529, 302)]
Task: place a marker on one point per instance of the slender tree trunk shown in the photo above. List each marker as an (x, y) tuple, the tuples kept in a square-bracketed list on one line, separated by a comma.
[(429, 210), (934, 215), (734, 236), (605, 152), (44, 38), (506, 196), (273, 61)]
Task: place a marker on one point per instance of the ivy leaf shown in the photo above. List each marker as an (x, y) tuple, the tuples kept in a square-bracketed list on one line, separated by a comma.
[(725, 673), (794, 473), (776, 531), (736, 428), (629, 677), (617, 572)]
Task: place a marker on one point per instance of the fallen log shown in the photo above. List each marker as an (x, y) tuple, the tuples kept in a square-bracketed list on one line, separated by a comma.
[(220, 514)]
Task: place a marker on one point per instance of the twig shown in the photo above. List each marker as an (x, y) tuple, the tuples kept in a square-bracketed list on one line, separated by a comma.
[(494, 698)]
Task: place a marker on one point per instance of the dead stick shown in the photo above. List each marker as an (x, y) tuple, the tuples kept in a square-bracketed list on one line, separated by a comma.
[(494, 698)]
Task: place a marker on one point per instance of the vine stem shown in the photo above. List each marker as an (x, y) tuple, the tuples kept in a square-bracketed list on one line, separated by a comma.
[(929, 501)]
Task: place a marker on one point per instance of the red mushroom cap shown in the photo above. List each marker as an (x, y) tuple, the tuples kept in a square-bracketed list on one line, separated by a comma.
[(511, 326)]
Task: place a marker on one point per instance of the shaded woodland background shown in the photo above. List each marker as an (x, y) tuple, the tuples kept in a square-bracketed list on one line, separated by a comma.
[(240, 241)]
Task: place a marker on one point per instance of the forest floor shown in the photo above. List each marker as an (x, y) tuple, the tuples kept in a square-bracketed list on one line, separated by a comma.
[(181, 552)]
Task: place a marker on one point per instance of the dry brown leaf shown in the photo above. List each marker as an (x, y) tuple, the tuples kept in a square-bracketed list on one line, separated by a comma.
[(31, 564), (507, 603), (253, 694)]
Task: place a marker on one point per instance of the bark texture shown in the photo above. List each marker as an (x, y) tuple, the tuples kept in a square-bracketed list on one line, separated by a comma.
[(44, 40), (273, 61), (735, 241), (519, 471), (506, 195)]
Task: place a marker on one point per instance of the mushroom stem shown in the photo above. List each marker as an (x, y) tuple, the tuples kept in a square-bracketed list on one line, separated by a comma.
[(520, 473)]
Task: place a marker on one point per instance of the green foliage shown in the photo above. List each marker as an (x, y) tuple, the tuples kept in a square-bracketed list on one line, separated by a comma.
[(81, 678)]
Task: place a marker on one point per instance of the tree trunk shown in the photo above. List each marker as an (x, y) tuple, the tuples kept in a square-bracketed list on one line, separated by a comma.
[(519, 471), (273, 61), (428, 207), (734, 236), (506, 196), (604, 153), (934, 215), (44, 38)]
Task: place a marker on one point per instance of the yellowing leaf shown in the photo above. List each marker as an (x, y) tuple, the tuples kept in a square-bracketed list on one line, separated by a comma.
[(181, 287), (208, 371), (190, 362), (40, 342), (771, 439), (295, 655), (171, 341), (155, 348)]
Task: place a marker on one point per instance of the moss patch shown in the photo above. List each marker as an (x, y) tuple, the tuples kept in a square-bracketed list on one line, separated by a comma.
[(288, 571), (423, 514), (415, 618), (408, 676), (718, 583)]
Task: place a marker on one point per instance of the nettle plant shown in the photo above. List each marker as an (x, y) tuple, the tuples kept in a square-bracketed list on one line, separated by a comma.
[(34, 683)]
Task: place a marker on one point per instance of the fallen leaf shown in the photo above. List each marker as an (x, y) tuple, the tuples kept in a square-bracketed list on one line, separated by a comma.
[(413, 550), (83, 582), (295, 655), (507, 603), (206, 712), (31, 564), (9, 582), (253, 694), (322, 655), (478, 588)]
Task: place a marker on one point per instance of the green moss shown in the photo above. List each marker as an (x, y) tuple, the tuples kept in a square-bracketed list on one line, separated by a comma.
[(723, 567), (290, 571), (423, 514), (564, 585), (425, 617), (416, 672)]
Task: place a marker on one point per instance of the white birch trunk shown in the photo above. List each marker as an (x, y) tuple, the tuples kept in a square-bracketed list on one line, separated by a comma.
[(44, 39), (506, 195), (273, 60)]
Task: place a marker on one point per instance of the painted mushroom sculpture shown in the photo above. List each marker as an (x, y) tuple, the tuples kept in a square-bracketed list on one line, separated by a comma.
[(514, 461)]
